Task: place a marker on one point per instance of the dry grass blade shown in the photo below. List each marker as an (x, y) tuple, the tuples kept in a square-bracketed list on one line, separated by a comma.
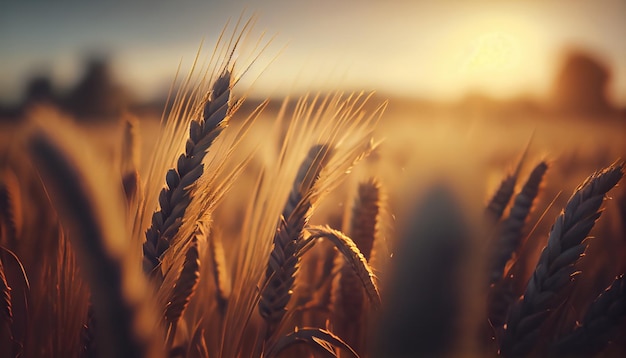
[(317, 337), (185, 285), (284, 259), (221, 277), (82, 196), (197, 344), (176, 196), (19, 287), (353, 256), (511, 230), (6, 313), (130, 159), (598, 327), (555, 268), (88, 343)]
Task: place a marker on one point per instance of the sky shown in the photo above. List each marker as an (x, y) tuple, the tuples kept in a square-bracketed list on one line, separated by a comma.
[(435, 49)]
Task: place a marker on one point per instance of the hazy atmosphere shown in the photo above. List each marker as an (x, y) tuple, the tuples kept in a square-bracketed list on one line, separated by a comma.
[(318, 179), (432, 49)]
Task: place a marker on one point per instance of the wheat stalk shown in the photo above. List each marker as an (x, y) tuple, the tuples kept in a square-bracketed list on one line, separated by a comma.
[(97, 232), (351, 253), (555, 268)]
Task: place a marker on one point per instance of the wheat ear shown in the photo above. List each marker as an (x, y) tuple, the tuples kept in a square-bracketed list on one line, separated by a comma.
[(500, 199), (175, 197), (598, 327), (284, 259), (365, 216), (97, 233), (348, 295), (510, 236), (555, 268)]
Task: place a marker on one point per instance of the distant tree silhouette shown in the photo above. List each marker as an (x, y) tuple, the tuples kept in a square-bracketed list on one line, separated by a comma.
[(39, 89), (581, 85), (95, 95)]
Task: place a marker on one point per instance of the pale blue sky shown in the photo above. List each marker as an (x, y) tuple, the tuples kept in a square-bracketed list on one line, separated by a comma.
[(440, 49)]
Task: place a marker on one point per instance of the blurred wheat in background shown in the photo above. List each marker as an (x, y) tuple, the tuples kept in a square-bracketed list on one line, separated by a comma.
[(345, 224)]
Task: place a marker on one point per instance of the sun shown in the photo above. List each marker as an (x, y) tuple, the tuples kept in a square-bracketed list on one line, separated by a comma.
[(491, 52)]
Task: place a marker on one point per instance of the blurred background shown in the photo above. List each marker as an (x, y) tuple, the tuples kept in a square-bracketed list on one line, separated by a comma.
[(470, 81), (93, 59)]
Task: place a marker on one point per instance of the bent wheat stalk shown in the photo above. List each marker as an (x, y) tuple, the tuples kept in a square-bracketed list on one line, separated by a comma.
[(351, 252)]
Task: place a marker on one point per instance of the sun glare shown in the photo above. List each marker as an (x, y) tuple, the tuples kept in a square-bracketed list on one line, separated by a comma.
[(492, 52), (499, 53)]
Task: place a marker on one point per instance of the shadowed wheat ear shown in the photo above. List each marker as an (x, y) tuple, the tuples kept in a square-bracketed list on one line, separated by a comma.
[(176, 196), (500, 199), (512, 227), (91, 207), (555, 268), (598, 327), (10, 209), (284, 259)]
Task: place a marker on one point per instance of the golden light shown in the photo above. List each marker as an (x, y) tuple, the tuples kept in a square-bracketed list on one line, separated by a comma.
[(495, 51)]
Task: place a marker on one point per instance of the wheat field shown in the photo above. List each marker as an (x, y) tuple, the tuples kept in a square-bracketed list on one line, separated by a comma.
[(338, 224)]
